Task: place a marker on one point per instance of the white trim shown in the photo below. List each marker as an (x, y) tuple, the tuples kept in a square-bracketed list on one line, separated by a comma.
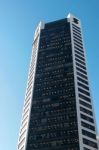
[(70, 19), (78, 24), (29, 90)]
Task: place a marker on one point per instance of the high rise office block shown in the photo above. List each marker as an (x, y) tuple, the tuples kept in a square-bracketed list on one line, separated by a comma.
[(58, 111)]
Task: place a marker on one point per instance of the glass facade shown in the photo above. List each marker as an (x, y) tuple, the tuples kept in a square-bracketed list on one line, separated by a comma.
[(58, 111), (53, 120)]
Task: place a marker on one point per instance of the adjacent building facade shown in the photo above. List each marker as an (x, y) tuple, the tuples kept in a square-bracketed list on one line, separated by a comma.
[(58, 111)]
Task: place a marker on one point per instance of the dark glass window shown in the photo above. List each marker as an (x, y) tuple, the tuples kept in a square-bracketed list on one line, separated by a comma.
[(81, 66), (76, 20), (79, 36), (90, 143), (82, 71), (86, 125), (76, 27), (85, 98), (80, 61), (85, 104), (86, 148), (82, 80), (83, 91), (80, 53), (86, 111), (87, 118), (84, 86), (76, 31), (77, 45), (79, 39), (89, 134), (78, 42)]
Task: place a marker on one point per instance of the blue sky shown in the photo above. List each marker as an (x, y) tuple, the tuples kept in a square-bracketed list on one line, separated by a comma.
[(18, 20)]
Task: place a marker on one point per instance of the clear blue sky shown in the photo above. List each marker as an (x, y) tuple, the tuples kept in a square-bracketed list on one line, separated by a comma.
[(18, 20)]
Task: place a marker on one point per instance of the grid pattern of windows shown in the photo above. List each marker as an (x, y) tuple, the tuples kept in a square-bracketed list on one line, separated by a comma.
[(58, 91), (85, 107), (53, 121)]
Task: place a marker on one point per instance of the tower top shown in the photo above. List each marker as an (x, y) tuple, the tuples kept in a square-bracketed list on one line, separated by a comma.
[(73, 19), (70, 15)]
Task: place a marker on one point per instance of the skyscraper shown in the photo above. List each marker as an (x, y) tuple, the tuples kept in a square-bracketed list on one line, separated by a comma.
[(58, 111)]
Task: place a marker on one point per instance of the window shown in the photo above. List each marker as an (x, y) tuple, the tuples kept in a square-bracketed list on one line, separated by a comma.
[(80, 61), (82, 71), (78, 49), (83, 81), (78, 28), (83, 91), (44, 120), (85, 104), (87, 118), (86, 111), (83, 86), (78, 42), (88, 126), (77, 45), (79, 53), (79, 65), (90, 143), (89, 134), (86, 148), (79, 36), (76, 31), (85, 98)]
